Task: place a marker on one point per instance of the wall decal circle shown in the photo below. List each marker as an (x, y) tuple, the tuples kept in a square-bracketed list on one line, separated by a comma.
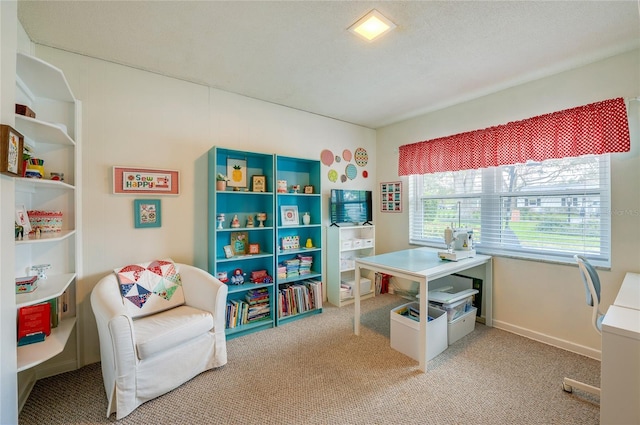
[(333, 175), (346, 155), (361, 156), (326, 156), (351, 171)]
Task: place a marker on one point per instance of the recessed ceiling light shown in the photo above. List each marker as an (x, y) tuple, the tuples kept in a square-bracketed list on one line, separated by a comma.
[(372, 25)]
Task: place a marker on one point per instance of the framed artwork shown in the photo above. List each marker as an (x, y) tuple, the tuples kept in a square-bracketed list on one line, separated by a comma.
[(22, 218), (240, 243), (11, 143), (254, 248), (147, 213), (391, 197), (228, 252), (289, 215), (133, 180), (308, 189), (237, 172), (258, 183)]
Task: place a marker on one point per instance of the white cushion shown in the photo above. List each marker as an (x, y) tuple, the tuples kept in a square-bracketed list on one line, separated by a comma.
[(149, 288), (170, 328)]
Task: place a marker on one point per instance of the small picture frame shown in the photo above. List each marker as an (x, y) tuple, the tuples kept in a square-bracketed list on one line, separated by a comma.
[(240, 243), (391, 197), (11, 143), (237, 172), (308, 189), (228, 252), (147, 213), (254, 248), (289, 215), (22, 218), (258, 183)]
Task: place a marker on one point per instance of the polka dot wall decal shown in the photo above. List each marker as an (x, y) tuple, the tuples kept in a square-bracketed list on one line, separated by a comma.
[(333, 176), (346, 154), (338, 159), (343, 178), (361, 156)]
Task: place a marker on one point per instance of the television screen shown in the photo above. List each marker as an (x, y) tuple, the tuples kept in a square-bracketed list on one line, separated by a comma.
[(350, 206)]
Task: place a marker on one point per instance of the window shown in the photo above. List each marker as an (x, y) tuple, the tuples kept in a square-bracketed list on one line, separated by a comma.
[(546, 210)]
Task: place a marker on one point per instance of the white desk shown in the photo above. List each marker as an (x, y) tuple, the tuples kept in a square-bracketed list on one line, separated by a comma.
[(629, 294), (620, 367), (422, 265)]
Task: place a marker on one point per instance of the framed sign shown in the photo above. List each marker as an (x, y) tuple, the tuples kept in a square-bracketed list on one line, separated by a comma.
[(237, 172), (308, 189), (254, 248), (258, 183), (133, 180), (391, 197), (240, 243), (11, 143), (289, 215), (147, 213)]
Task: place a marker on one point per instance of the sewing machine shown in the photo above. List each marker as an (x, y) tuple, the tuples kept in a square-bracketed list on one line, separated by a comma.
[(459, 244)]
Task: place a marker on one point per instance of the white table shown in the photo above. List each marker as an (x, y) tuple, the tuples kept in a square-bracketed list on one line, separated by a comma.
[(422, 265), (620, 366)]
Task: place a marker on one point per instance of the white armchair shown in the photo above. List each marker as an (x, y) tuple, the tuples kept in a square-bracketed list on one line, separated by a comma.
[(145, 357)]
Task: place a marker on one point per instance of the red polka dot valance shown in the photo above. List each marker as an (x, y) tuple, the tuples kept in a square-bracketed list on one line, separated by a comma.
[(597, 128)]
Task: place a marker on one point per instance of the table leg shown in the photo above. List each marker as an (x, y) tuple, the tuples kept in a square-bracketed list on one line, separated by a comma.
[(356, 309), (424, 314)]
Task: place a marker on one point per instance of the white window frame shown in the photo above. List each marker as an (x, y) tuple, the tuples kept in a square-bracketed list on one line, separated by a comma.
[(490, 205)]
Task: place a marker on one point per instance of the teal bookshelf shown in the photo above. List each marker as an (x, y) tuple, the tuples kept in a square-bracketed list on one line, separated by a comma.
[(289, 297)]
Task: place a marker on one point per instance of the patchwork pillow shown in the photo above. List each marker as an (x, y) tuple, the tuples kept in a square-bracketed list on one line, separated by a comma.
[(149, 288)]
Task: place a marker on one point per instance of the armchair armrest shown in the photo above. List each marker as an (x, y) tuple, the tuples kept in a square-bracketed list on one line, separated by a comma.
[(204, 291)]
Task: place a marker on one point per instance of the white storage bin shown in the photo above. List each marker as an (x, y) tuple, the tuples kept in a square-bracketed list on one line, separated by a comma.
[(455, 304), (356, 243), (461, 326), (346, 244), (365, 285), (405, 337), (367, 243)]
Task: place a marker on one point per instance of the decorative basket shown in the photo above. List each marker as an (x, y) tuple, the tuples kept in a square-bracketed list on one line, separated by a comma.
[(46, 221)]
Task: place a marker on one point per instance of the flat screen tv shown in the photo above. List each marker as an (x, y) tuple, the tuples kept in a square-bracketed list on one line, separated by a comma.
[(350, 206)]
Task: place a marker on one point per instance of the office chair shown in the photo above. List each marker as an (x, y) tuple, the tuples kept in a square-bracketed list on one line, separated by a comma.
[(592, 288)]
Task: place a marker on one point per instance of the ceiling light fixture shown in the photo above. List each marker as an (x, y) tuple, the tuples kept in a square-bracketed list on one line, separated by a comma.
[(372, 25)]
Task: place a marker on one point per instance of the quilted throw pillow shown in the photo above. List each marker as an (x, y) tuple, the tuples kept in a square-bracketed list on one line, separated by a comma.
[(149, 288)]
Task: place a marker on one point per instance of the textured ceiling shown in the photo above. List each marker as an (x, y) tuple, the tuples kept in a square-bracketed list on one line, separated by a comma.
[(300, 54)]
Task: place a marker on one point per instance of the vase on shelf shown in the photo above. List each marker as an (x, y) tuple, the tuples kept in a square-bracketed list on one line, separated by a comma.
[(221, 185), (306, 219)]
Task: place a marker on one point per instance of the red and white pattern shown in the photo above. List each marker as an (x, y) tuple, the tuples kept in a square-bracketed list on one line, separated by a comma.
[(597, 128)]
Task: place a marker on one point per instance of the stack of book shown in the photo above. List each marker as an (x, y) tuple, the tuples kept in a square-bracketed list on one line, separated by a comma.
[(258, 300), (293, 268), (305, 264)]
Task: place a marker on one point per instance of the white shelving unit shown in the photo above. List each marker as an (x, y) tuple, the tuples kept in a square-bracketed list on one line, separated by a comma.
[(344, 245), (53, 136)]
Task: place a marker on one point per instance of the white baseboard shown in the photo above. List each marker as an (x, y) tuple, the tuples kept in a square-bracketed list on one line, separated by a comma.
[(549, 340)]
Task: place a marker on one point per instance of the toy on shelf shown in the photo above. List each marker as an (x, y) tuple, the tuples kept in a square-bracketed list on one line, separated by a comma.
[(250, 221), (235, 222), (220, 219), (238, 277), (262, 217)]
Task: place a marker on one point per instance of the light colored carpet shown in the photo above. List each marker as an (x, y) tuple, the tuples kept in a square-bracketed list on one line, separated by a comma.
[(315, 371)]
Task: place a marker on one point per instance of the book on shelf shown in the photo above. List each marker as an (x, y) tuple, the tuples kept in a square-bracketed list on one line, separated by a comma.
[(33, 319), (31, 338)]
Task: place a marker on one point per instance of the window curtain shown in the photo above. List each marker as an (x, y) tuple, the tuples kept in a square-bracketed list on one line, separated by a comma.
[(597, 128)]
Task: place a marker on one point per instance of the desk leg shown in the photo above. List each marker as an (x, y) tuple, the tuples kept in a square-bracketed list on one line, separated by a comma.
[(488, 293), (424, 314), (356, 303)]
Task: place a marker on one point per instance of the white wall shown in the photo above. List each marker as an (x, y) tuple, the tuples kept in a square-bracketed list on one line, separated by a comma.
[(136, 118), (540, 300)]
